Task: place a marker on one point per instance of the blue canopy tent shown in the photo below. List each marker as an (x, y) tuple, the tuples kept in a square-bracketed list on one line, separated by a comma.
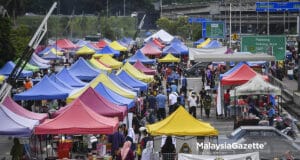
[(46, 89), (183, 49), (123, 84), (171, 49), (9, 66), (108, 50), (69, 79), (114, 97), (12, 124), (141, 57), (132, 81), (81, 43), (199, 41), (51, 56), (213, 44), (47, 49), (35, 62), (64, 86), (82, 70), (232, 70)]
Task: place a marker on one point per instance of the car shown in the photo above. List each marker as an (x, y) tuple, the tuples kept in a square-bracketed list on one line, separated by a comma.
[(195, 69)]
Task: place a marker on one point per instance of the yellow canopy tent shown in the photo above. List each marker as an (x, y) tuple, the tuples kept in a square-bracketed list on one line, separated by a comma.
[(2, 78), (181, 123), (56, 52), (169, 58), (98, 65), (107, 82), (131, 70), (85, 51), (203, 44), (97, 56), (117, 46), (111, 62)]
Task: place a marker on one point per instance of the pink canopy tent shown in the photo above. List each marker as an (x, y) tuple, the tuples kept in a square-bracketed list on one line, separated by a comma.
[(139, 65), (19, 110), (78, 119), (65, 44), (101, 44), (149, 49), (240, 76)]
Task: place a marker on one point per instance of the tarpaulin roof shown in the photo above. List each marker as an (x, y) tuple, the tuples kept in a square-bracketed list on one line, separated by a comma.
[(131, 81), (68, 78), (63, 86), (213, 44), (240, 76), (161, 34), (102, 43), (111, 62), (113, 96), (101, 105), (99, 65), (78, 119), (12, 124), (84, 50), (181, 123), (139, 56), (37, 61), (171, 49), (19, 110), (117, 46), (108, 50), (45, 89), (139, 65), (122, 83), (136, 73), (199, 41), (230, 71), (149, 49), (82, 70), (9, 66), (108, 83), (169, 58), (257, 85), (65, 44), (201, 45)]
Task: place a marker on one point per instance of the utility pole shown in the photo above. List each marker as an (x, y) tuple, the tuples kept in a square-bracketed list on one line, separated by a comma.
[(240, 18), (124, 7), (106, 8), (230, 25), (161, 8), (268, 21)]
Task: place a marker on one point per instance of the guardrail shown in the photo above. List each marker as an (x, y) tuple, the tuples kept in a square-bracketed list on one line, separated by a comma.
[(286, 94)]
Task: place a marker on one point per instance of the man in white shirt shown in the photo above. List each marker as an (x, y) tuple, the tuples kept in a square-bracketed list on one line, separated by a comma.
[(172, 100), (192, 103)]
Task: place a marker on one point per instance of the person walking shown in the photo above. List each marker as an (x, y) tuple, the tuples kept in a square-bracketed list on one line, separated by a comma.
[(192, 104), (226, 103), (172, 101), (161, 104), (207, 105), (17, 150)]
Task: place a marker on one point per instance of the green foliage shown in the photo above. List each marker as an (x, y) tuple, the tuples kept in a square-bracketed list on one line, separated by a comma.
[(7, 51), (20, 38)]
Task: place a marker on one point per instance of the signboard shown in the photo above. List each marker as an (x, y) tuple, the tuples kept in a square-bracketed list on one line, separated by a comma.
[(277, 6), (215, 29), (273, 45)]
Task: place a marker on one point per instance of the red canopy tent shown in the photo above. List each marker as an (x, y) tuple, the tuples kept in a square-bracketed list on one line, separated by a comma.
[(158, 43), (240, 76), (78, 119), (149, 49), (139, 65), (19, 110), (101, 44), (65, 44)]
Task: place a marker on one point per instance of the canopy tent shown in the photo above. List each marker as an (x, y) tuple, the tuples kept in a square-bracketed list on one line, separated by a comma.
[(78, 119), (136, 73), (12, 124), (52, 55), (64, 86), (81, 43), (68, 78), (126, 41), (122, 83), (157, 44), (111, 62), (108, 83), (102, 43), (107, 50), (131, 81), (199, 41), (245, 156), (99, 65), (34, 61), (125, 44), (46, 89), (65, 44), (30, 67), (235, 68), (8, 68), (84, 50), (196, 53), (2, 78), (213, 44), (113, 96), (183, 49), (203, 44), (240, 76), (82, 70), (39, 59), (151, 50), (171, 49), (54, 48), (181, 123), (139, 56), (101, 105), (117, 46), (169, 58), (257, 85), (19, 110), (139, 65), (161, 34)]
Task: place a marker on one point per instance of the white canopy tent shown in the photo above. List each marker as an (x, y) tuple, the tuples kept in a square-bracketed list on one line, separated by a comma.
[(257, 86), (161, 34)]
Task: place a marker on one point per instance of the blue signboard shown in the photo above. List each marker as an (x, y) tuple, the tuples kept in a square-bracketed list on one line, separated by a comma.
[(278, 6), (197, 20)]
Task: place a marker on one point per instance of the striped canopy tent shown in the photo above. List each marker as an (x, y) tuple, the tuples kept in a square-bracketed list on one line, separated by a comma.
[(96, 64), (117, 46), (111, 62)]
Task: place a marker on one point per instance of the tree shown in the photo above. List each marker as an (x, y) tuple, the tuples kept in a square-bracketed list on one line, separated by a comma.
[(7, 51), (20, 38)]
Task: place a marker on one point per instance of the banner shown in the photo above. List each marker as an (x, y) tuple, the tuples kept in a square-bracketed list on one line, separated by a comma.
[(247, 156), (198, 52)]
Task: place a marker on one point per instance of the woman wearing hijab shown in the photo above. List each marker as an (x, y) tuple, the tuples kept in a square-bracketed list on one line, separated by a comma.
[(126, 153), (168, 149), (146, 155)]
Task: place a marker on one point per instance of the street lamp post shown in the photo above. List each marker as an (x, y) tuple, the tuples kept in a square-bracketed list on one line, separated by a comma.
[(298, 59)]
